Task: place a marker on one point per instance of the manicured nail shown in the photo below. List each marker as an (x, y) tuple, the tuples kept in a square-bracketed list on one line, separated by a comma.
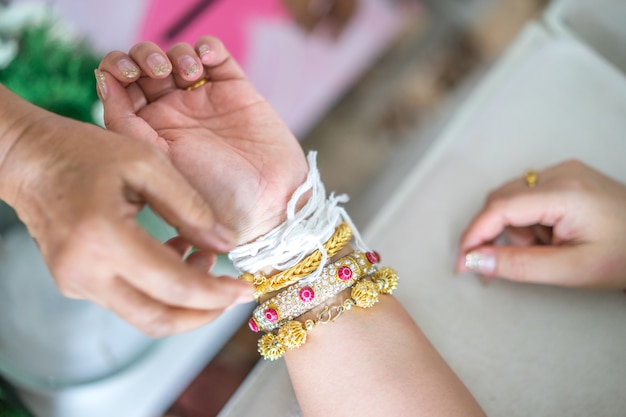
[(480, 262), (205, 52), (127, 68), (158, 64), (188, 66), (101, 84), (204, 49)]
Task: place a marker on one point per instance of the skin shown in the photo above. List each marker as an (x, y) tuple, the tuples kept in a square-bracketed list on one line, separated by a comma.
[(223, 136), (77, 188), (217, 135), (569, 230)]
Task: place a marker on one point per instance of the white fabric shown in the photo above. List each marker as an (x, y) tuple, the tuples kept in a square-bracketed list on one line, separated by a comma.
[(302, 233)]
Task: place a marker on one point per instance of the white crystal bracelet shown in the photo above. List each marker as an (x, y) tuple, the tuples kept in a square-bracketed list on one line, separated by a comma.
[(303, 296)]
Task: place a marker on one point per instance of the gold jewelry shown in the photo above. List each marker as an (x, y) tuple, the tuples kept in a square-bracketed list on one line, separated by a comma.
[(197, 84), (278, 281), (293, 334), (531, 177), (302, 297)]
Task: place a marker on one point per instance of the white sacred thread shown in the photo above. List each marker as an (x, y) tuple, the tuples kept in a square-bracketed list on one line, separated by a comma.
[(302, 233)]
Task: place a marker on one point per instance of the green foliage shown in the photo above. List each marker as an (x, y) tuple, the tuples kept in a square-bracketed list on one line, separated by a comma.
[(53, 73), (9, 404)]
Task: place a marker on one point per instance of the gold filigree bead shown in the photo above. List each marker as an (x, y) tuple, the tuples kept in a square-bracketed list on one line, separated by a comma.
[(269, 347), (246, 276), (365, 293), (387, 280), (255, 278), (292, 334)]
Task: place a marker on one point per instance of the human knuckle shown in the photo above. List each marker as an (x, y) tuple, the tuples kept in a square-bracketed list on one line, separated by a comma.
[(196, 210), (73, 258), (575, 184), (179, 293), (146, 164), (159, 324), (572, 163), (64, 267), (495, 201)]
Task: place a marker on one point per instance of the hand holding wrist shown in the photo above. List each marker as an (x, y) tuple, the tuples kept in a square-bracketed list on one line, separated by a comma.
[(20, 124)]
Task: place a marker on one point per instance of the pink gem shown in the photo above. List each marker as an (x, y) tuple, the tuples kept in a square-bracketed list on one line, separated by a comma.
[(373, 256), (344, 273), (306, 294), (271, 315), (253, 325)]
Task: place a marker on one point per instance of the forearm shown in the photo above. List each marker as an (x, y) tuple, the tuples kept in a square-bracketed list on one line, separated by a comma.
[(375, 362)]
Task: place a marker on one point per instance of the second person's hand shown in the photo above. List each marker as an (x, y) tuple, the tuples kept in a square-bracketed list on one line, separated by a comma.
[(569, 229)]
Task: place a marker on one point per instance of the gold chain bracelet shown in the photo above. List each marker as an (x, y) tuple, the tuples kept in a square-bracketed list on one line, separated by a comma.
[(293, 334)]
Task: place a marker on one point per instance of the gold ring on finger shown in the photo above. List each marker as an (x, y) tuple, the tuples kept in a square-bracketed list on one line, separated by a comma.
[(531, 177), (197, 84)]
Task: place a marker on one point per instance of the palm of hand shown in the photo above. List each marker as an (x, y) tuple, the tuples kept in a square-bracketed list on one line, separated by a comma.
[(231, 145)]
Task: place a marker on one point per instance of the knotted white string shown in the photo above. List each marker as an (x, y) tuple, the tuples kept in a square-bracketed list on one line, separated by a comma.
[(302, 233)]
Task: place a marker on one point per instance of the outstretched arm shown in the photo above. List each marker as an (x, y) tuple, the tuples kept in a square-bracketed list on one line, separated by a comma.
[(224, 137)]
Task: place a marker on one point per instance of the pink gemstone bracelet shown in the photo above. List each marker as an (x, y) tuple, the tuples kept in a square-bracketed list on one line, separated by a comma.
[(302, 297)]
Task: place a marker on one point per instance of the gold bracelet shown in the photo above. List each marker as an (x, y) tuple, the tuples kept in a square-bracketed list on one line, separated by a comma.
[(300, 298), (293, 334), (265, 285)]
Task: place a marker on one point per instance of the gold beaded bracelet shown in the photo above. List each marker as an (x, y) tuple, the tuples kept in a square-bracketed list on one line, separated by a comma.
[(293, 334), (300, 298), (265, 285)]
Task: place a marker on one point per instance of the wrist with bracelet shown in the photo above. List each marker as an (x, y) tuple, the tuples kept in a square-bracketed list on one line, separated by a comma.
[(320, 269)]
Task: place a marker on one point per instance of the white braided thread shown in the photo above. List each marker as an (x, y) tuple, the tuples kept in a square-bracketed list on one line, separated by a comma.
[(302, 233)]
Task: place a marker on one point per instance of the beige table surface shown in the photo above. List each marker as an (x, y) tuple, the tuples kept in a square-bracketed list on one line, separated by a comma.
[(523, 350)]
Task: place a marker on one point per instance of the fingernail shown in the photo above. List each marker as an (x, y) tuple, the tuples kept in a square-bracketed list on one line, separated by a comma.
[(158, 64), (481, 262), (101, 84), (205, 51), (188, 66), (127, 68)]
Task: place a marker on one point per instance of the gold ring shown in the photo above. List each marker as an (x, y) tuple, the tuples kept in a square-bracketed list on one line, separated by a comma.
[(531, 177), (197, 84)]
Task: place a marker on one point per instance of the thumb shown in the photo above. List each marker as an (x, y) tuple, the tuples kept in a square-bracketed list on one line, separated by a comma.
[(120, 107), (558, 265)]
